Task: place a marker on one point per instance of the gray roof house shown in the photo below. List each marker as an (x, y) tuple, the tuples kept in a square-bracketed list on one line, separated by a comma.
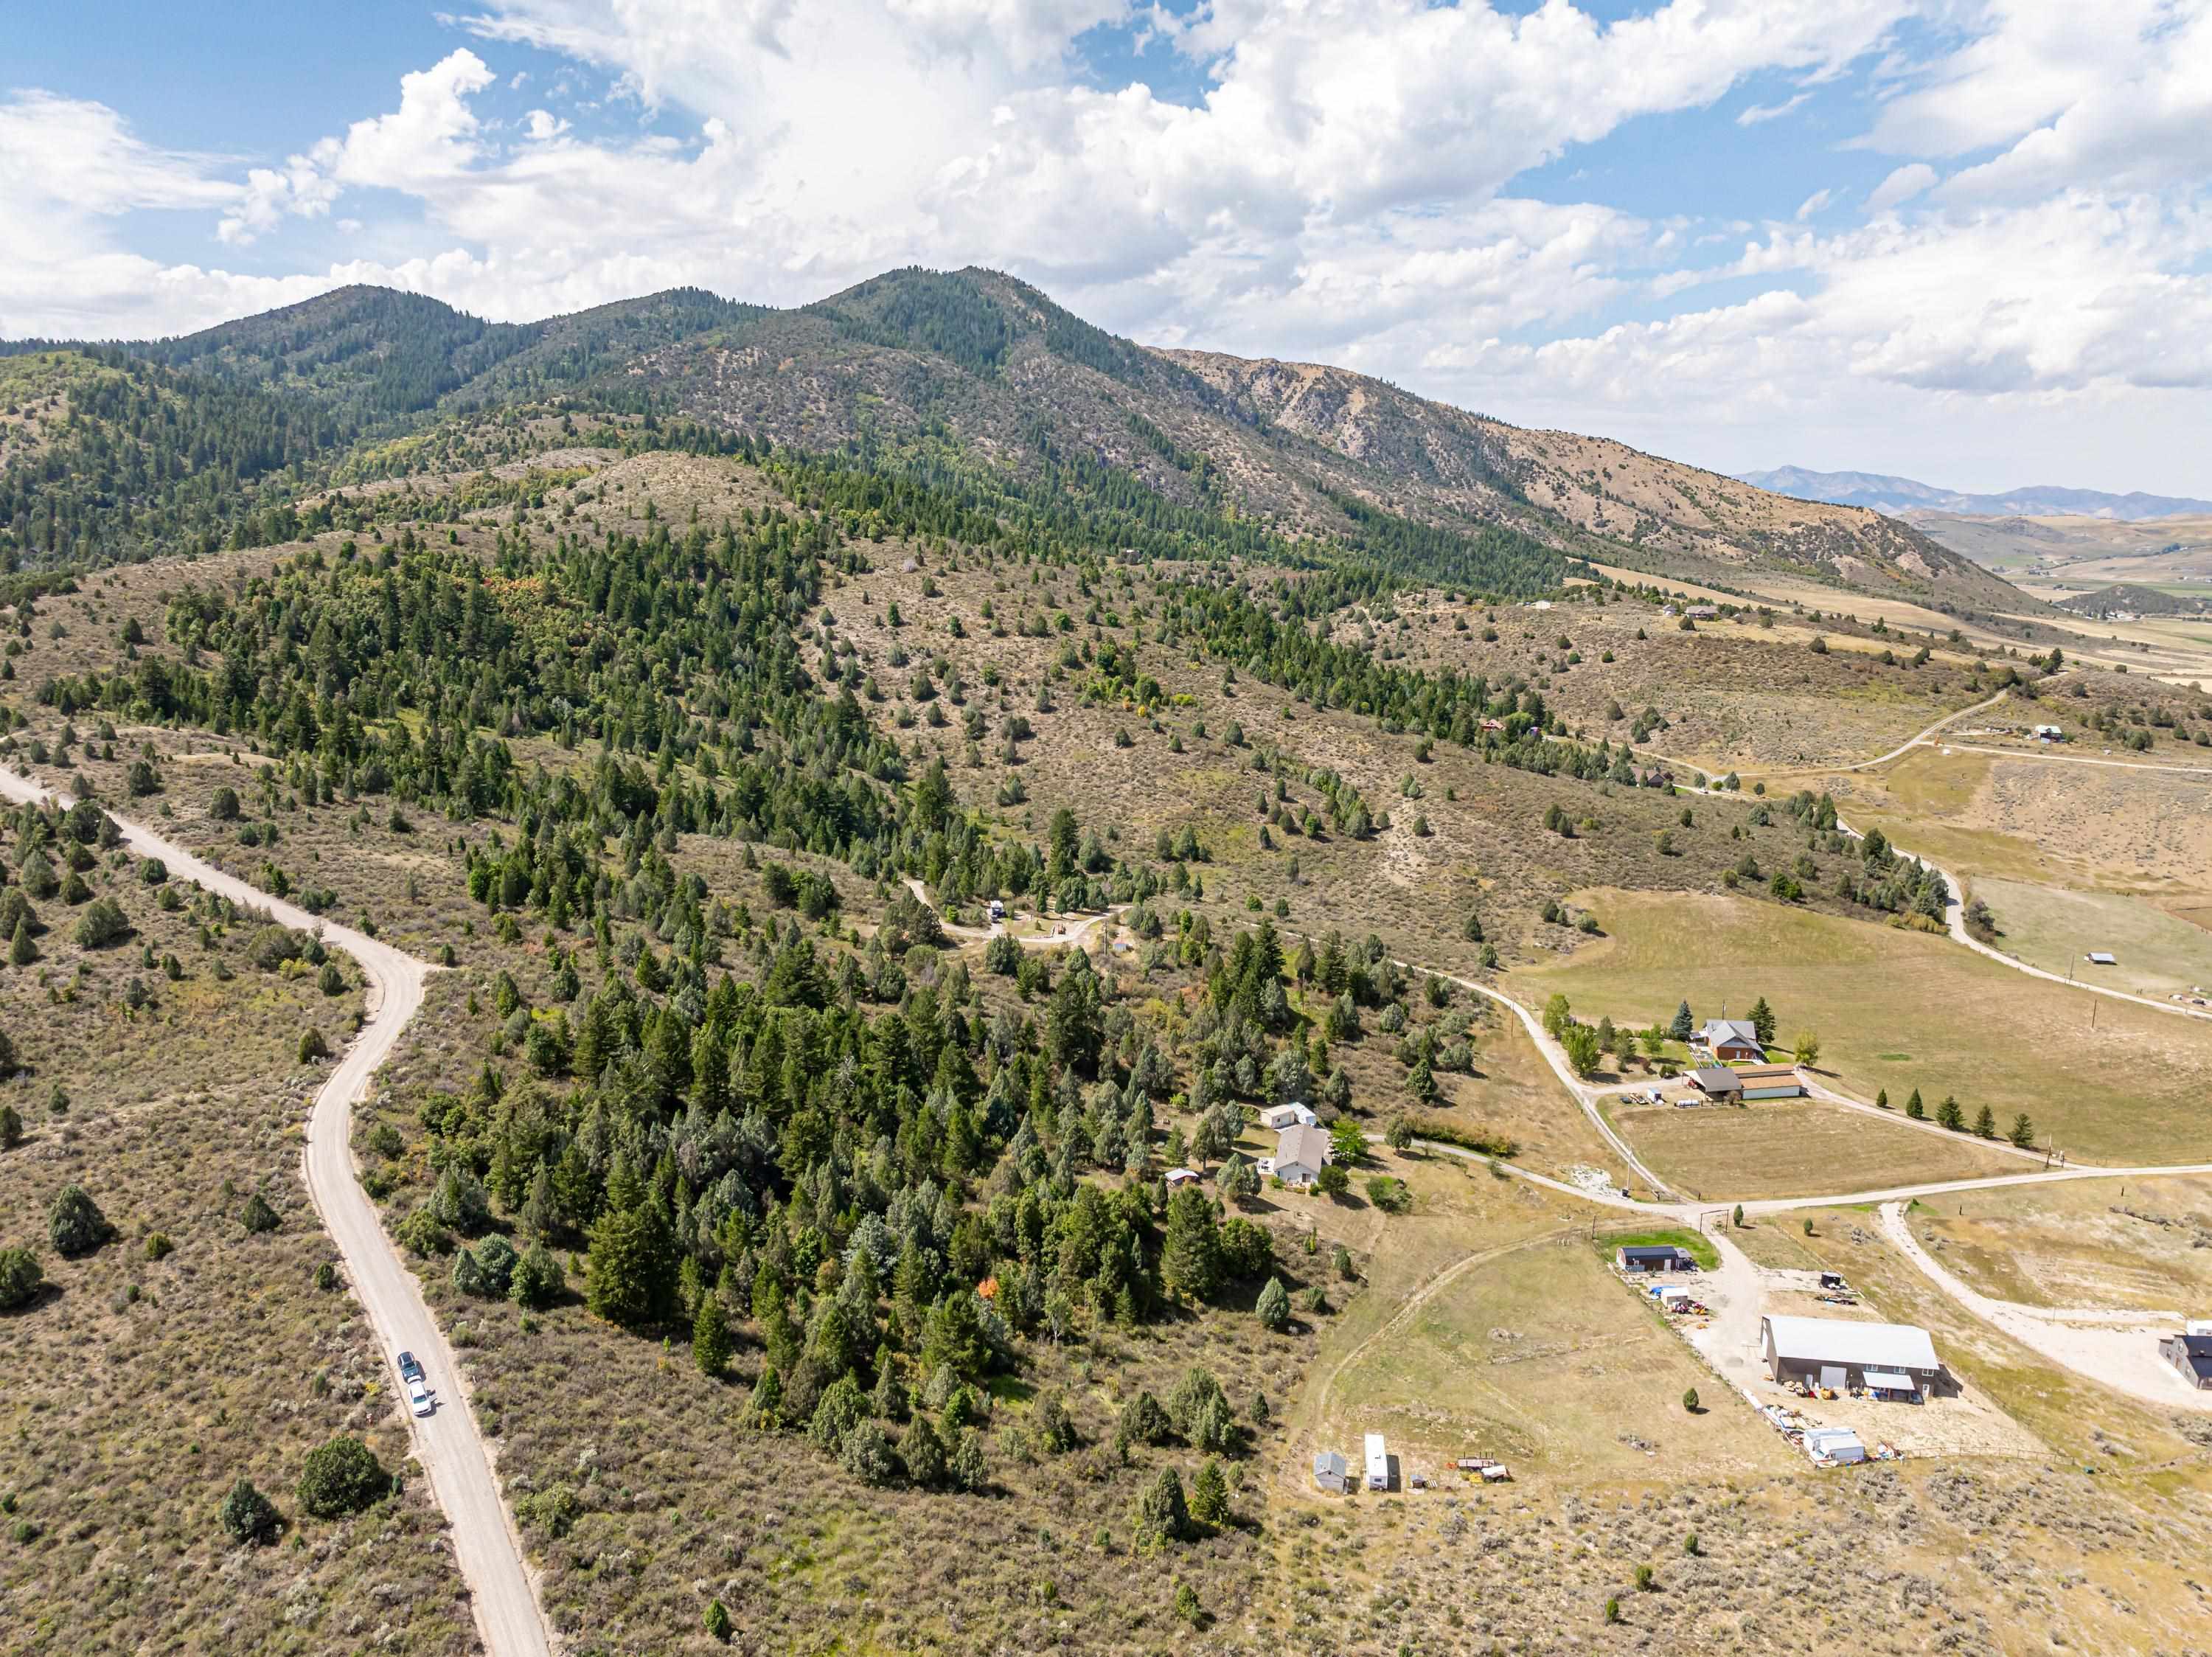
[(1301, 1153), (2190, 1354), (1331, 1472), (1731, 1039)]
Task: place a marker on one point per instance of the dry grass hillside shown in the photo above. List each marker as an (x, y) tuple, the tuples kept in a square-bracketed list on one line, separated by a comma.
[(187, 1351), (1469, 1313), (1664, 516)]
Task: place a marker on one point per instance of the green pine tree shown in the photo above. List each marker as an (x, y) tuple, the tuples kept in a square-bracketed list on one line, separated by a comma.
[(710, 1337), (1209, 1496)]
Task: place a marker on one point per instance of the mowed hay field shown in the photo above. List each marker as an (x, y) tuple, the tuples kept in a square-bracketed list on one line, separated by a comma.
[(2056, 929), (1541, 1357), (2103, 1080), (2088, 1243), (1796, 1147)]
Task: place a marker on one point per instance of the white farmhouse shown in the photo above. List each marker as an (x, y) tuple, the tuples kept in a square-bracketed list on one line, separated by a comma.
[(1301, 1153)]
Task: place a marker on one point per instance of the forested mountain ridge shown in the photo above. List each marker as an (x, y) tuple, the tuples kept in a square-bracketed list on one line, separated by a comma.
[(974, 381), (105, 459), (996, 365), (376, 356)]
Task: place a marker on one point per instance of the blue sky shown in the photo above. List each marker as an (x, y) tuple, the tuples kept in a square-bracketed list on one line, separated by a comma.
[(1964, 239)]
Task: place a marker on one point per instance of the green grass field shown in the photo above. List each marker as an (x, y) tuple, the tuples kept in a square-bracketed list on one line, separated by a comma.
[(1697, 1246), (1895, 1009), (2055, 929)]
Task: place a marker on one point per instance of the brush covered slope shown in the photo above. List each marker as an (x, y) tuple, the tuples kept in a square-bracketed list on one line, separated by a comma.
[(806, 1239), (968, 374)]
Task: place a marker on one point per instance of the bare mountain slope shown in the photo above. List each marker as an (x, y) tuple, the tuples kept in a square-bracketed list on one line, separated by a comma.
[(1662, 514)]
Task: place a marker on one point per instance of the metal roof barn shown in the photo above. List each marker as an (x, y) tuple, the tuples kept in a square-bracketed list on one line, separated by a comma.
[(1827, 1350)]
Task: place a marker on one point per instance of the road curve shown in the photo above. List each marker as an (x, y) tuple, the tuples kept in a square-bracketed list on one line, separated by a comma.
[(1913, 742), (1954, 914), (447, 1445), (1956, 899), (2115, 1349), (1556, 1056), (1898, 752)]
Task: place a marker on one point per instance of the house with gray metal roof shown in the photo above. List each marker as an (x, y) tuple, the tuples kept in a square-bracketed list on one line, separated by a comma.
[(1732, 1039)]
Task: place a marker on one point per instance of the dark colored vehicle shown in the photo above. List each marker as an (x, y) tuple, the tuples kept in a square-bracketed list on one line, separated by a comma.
[(409, 1369)]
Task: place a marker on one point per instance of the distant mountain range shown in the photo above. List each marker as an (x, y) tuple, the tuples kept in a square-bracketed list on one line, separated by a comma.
[(1898, 494)]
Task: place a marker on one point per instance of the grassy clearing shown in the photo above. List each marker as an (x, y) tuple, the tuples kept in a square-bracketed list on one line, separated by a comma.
[(1796, 1147), (2056, 929), (1697, 1246), (1733, 694), (2117, 1243), (2041, 819), (1541, 1358), (2102, 1080), (1520, 1098)]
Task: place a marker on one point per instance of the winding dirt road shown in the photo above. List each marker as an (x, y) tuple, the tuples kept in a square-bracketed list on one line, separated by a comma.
[(447, 1444), (1955, 906), (2116, 1348)]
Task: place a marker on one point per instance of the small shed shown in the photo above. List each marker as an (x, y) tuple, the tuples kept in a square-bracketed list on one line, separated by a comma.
[(1770, 1081), (1378, 1464), (1717, 1081), (1331, 1473), (2103, 958), (1276, 1117), (1177, 1176), (1652, 1257)]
